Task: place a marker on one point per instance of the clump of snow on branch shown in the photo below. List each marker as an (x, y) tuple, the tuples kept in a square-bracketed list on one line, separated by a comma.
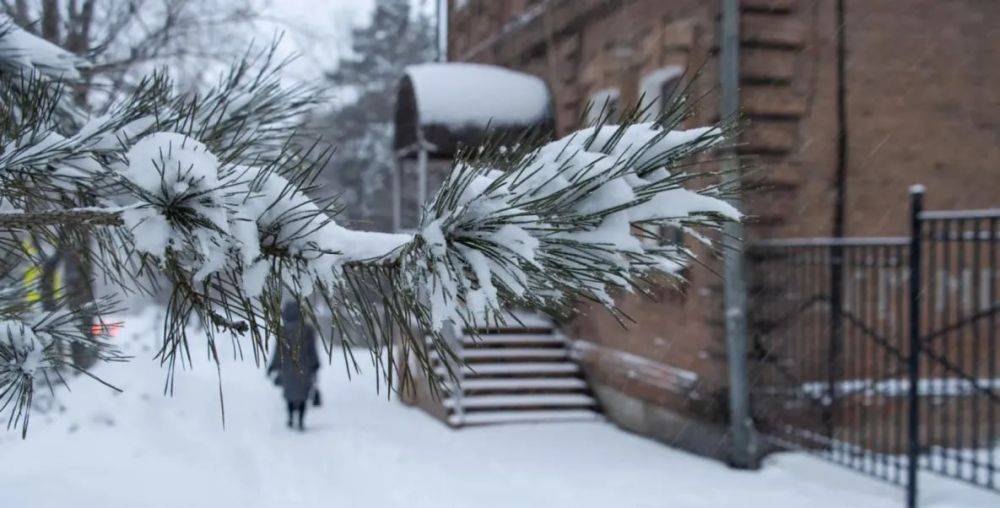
[(563, 221), (22, 348), (287, 220), (214, 216), (171, 168)]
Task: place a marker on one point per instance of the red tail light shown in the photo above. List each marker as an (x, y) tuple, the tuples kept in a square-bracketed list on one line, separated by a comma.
[(105, 329)]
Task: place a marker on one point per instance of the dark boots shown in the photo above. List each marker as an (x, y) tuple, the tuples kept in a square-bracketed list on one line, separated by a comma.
[(299, 408)]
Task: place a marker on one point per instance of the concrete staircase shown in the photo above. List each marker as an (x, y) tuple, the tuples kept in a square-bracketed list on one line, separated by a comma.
[(519, 373)]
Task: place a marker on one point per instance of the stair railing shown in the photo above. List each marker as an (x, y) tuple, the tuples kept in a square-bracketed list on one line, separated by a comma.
[(454, 335)]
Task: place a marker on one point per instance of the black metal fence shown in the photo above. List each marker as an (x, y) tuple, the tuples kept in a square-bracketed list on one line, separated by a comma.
[(881, 353)]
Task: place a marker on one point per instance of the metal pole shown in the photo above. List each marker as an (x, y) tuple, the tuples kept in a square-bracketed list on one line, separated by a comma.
[(837, 250), (836, 337), (840, 196), (421, 177), (742, 454), (913, 371), (397, 197), (442, 30)]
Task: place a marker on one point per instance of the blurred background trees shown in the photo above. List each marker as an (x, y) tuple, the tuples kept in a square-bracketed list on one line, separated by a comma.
[(359, 122), (126, 39)]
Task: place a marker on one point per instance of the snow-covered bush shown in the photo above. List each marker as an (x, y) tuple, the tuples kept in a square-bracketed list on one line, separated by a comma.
[(207, 193)]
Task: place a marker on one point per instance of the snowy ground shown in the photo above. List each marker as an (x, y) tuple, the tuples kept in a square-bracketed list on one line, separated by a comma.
[(143, 449)]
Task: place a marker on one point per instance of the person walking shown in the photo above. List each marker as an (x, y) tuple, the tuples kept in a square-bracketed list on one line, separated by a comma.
[(295, 363)]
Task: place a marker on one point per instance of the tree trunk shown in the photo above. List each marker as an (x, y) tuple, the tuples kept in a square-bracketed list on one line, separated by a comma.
[(78, 42), (78, 283), (20, 14), (51, 21), (80, 292)]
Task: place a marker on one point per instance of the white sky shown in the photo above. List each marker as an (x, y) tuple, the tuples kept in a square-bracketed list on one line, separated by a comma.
[(318, 30)]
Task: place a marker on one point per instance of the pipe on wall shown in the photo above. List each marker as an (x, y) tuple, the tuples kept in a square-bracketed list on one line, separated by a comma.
[(743, 449)]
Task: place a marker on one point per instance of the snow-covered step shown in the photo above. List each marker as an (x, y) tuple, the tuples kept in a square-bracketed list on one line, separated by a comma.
[(560, 415), (554, 353), (526, 400), (521, 371), (503, 339), (485, 369), (509, 353), (541, 383), (518, 320)]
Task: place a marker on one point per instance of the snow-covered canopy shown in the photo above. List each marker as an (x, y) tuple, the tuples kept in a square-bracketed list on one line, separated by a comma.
[(451, 103)]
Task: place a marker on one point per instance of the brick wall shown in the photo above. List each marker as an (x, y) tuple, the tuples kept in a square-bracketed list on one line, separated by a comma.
[(922, 98)]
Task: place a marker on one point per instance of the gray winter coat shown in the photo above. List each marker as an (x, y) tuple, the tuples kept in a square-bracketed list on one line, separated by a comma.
[(295, 358)]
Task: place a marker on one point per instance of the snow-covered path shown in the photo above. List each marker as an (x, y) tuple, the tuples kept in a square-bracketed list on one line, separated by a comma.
[(142, 449)]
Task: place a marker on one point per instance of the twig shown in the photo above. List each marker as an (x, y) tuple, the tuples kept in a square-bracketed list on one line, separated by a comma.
[(71, 216)]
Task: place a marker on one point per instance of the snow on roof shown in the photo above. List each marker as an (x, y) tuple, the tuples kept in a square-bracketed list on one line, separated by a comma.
[(651, 87), (652, 81), (601, 102), (476, 95)]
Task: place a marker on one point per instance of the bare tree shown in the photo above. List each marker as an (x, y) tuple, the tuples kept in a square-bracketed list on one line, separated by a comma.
[(125, 39)]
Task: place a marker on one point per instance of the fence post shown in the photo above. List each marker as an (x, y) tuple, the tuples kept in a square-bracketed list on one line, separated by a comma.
[(836, 335), (913, 371)]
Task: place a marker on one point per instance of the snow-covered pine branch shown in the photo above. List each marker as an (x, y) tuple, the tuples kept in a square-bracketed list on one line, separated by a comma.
[(25, 58), (21, 51), (207, 194)]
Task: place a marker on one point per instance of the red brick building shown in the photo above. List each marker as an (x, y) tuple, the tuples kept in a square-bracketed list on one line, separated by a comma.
[(921, 96)]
